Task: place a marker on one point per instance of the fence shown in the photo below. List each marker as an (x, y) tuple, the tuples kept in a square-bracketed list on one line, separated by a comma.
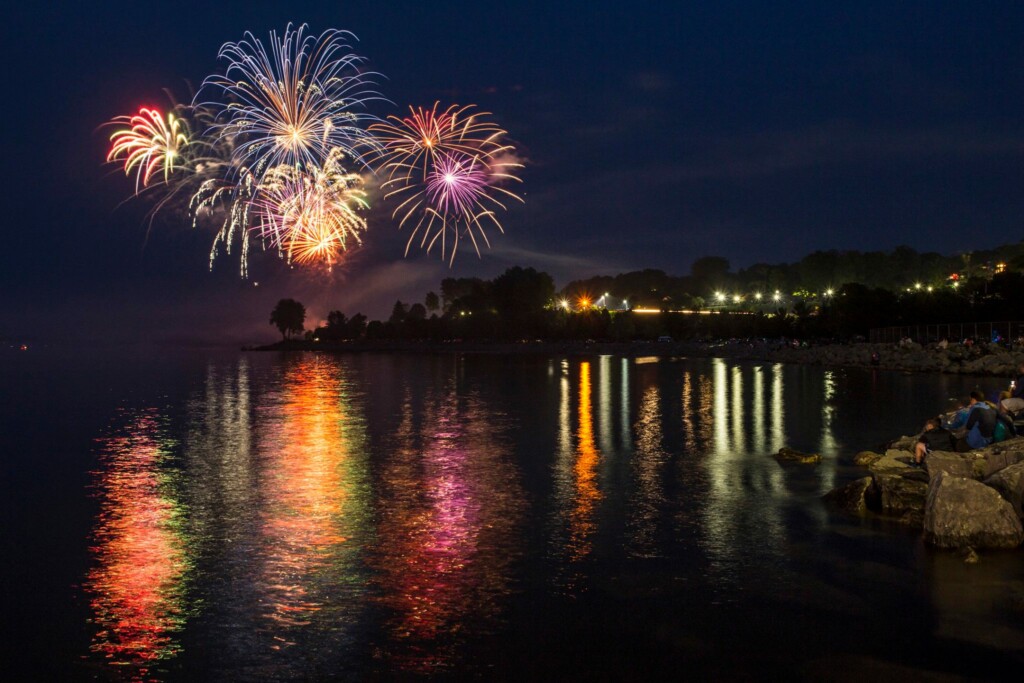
[(923, 334)]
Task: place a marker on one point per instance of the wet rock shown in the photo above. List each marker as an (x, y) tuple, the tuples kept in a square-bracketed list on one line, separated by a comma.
[(791, 455), (866, 458), (1009, 482), (962, 512), (852, 497), (893, 492)]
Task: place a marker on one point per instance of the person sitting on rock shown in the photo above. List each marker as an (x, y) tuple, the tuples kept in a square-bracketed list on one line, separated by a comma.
[(933, 438), (957, 417), (981, 423), (1015, 402)]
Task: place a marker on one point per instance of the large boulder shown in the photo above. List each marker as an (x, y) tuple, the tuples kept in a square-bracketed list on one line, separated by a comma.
[(957, 464), (852, 497), (897, 489), (998, 457), (1009, 482), (963, 513)]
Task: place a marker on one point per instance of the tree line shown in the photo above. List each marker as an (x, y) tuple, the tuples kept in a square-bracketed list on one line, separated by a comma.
[(826, 294)]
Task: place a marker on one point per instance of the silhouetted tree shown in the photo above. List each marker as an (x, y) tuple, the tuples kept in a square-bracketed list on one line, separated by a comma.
[(432, 302), (710, 270), (416, 312), (289, 316), (398, 313)]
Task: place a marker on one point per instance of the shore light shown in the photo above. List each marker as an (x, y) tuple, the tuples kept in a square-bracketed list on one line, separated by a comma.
[(719, 296), (735, 298), (930, 288), (917, 285), (777, 297), (758, 296), (564, 303), (828, 292)]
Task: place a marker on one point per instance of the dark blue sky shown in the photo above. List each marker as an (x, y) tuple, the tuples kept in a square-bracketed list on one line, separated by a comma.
[(655, 135)]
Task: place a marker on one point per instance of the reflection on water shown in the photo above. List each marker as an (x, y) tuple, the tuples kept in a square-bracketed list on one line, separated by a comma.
[(314, 502), (576, 474), (330, 516), (140, 559), (450, 507)]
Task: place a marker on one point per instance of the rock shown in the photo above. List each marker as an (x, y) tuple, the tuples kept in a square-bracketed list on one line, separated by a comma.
[(866, 458), (896, 489), (971, 557), (998, 457), (1009, 482), (957, 464), (904, 443), (852, 497), (962, 512), (788, 454)]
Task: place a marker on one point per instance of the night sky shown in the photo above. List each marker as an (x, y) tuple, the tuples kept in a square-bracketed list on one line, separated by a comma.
[(654, 135)]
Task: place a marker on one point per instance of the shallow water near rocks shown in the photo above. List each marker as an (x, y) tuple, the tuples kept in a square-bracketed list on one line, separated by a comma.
[(181, 515)]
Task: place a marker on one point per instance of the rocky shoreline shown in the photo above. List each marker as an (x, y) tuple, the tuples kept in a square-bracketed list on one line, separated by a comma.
[(980, 359), (961, 501)]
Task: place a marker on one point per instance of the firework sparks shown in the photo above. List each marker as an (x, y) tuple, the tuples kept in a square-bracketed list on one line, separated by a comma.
[(446, 170), (312, 215), (150, 143), (295, 100), (266, 159)]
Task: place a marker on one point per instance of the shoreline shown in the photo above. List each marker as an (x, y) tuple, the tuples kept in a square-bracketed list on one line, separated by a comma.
[(981, 359)]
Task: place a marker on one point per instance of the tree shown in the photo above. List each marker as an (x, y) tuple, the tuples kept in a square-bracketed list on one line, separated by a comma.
[(289, 316), (416, 312), (432, 302), (398, 313), (710, 269), (520, 296), (356, 326)]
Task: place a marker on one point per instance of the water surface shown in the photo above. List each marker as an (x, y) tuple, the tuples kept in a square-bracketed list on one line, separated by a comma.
[(188, 515)]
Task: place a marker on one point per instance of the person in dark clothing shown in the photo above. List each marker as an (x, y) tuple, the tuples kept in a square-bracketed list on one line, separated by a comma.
[(981, 423), (934, 438)]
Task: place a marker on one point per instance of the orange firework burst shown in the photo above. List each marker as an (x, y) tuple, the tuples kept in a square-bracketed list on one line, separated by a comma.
[(150, 142), (311, 215)]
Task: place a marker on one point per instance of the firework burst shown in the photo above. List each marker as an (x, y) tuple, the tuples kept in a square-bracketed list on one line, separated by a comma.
[(293, 101), (311, 216), (261, 149), (150, 142), (445, 169)]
